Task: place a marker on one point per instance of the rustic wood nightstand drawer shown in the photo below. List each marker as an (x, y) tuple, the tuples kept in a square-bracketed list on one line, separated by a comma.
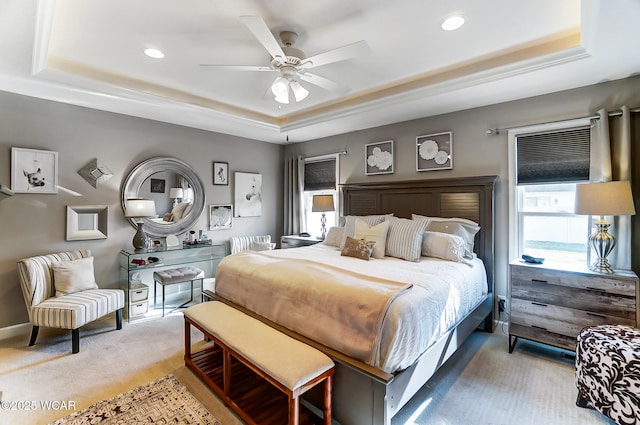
[(552, 303)]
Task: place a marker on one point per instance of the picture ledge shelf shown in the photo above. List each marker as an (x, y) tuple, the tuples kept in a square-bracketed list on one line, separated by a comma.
[(5, 192)]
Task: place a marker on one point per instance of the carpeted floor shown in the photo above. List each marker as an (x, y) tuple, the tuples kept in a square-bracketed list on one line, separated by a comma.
[(481, 384)]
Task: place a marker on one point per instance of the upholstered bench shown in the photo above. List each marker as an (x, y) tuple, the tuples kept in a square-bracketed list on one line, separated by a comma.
[(607, 366), (172, 277), (241, 344)]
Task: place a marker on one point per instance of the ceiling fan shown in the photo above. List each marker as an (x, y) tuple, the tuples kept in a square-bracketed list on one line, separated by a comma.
[(291, 63)]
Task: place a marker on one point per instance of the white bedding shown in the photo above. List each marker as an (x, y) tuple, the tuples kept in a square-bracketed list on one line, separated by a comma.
[(443, 292)]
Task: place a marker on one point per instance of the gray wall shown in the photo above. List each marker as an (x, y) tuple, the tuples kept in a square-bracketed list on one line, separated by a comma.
[(35, 224), (474, 153)]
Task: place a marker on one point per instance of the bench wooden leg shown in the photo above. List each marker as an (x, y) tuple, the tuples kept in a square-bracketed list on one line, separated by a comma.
[(328, 390), (294, 410), (119, 319), (187, 340), (75, 340), (34, 335)]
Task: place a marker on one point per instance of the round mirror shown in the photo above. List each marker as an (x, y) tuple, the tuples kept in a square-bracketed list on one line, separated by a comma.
[(176, 190)]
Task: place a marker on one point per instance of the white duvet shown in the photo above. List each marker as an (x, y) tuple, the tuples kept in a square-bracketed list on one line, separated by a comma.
[(443, 292)]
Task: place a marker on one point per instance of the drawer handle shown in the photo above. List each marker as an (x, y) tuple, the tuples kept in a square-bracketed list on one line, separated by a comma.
[(539, 281), (138, 305), (589, 288), (538, 327), (540, 304), (596, 315), (138, 292)]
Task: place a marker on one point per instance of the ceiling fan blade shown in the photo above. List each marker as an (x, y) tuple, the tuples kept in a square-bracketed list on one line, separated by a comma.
[(261, 31), (341, 53), (238, 67), (325, 83)]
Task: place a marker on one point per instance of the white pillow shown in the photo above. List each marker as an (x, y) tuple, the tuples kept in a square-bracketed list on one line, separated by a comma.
[(179, 211), (462, 227), (404, 239), (377, 234), (262, 246), (350, 225), (334, 236), (73, 276), (445, 246)]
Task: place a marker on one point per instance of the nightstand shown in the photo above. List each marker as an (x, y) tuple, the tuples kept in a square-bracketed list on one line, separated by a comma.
[(552, 302), (295, 241)]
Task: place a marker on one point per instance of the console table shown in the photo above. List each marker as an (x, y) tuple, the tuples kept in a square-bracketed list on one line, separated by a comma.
[(137, 267)]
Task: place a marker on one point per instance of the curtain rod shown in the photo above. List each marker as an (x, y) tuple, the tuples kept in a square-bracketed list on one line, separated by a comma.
[(344, 152), (492, 131)]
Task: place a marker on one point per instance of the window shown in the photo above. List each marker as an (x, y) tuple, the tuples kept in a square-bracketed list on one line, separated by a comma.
[(320, 178), (546, 165)]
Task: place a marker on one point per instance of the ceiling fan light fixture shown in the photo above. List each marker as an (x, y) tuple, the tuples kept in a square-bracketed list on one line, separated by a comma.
[(299, 92), (453, 23)]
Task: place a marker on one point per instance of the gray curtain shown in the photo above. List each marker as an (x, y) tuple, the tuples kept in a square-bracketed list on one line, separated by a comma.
[(612, 135), (293, 189)]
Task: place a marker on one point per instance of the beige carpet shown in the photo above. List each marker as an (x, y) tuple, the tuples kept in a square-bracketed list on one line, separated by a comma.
[(483, 384)]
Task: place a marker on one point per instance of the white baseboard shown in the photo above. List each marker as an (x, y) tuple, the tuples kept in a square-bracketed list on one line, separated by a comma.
[(23, 329)]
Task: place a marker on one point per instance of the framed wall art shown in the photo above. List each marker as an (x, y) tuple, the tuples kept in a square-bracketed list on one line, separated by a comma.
[(220, 217), (221, 173), (157, 185), (34, 171), (248, 195), (379, 158), (85, 222), (434, 152)]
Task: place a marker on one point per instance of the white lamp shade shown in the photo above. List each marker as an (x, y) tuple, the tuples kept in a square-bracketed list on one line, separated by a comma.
[(299, 92), (139, 208), (175, 192), (604, 198), (322, 203)]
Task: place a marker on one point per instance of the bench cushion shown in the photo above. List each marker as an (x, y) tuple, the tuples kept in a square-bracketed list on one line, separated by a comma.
[(74, 310), (288, 361), (182, 274)]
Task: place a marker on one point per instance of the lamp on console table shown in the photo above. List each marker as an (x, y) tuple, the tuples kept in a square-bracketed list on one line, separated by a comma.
[(323, 203), (140, 208), (604, 199)]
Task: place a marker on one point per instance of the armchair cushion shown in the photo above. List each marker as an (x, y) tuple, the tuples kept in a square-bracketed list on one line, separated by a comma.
[(73, 276), (74, 310)]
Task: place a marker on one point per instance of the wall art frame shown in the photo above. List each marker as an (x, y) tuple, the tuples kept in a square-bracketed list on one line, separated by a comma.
[(158, 185), (220, 173), (248, 195), (85, 222), (434, 151), (379, 158), (220, 217), (34, 171)]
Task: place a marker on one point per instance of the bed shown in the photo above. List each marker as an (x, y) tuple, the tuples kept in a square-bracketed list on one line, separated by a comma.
[(371, 388)]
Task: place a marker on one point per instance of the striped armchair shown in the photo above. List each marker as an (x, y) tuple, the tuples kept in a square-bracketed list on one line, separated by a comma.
[(68, 311), (243, 243)]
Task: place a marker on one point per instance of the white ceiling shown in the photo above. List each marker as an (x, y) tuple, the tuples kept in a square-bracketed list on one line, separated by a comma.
[(90, 53)]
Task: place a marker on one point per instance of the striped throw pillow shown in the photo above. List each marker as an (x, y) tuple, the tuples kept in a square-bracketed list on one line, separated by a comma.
[(404, 239)]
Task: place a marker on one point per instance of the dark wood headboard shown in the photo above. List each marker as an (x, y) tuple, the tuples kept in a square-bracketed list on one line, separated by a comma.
[(467, 197)]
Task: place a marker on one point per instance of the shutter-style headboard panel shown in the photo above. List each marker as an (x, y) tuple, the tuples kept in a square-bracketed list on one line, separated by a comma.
[(467, 197)]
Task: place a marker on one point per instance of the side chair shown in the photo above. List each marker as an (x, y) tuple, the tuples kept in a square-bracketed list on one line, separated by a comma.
[(60, 292)]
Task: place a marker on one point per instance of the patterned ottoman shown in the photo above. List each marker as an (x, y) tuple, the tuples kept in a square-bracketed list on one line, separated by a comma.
[(608, 371)]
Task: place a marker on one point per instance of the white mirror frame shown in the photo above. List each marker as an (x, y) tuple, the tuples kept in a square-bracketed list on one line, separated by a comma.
[(101, 224), (146, 169)]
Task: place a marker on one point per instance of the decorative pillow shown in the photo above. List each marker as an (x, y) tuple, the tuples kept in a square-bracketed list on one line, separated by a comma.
[(445, 246), (73, 276), (334, 236), (377, 234), (262, 246), (466, 229), (350, 225), (357, 248), (179, 211), (404, 239)]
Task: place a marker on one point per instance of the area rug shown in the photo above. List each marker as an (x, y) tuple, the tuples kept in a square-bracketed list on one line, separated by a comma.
[(164, 401)]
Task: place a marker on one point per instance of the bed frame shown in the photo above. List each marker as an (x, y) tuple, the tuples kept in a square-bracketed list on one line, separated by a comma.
[(364, 395)]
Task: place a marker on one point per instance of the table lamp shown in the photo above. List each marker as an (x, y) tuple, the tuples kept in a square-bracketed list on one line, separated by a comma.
[(176, 193), (140, 208), (322, 203), (605, 198)]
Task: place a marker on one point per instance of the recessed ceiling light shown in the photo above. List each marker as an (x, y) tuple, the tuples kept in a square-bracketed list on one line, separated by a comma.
[(453, 23), (154, 53)]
